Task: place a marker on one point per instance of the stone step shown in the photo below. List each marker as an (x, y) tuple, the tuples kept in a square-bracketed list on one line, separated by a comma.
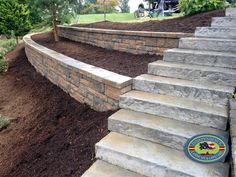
[(181, 109), (214, 44), (104, 169), (215, 75), (206, 92), (198, 57), (216, 32), (224, 22), (153, 160), (230, 12), (161, 130)]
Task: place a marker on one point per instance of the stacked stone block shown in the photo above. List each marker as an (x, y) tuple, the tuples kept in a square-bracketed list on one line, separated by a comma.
[(94, 86), (121, 40)]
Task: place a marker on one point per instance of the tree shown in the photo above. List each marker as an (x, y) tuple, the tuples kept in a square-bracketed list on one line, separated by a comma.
[(124, 6), (106, 6), (14, 18), (57, 10)]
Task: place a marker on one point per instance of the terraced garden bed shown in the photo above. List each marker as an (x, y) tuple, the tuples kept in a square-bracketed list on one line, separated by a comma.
[(119, 62)]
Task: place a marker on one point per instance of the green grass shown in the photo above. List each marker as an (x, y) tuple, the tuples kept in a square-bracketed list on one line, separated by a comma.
[(41, 27), (116, 17), (4, 122)]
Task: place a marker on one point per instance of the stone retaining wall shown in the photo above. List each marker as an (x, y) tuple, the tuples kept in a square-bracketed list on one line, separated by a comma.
[(233, 135), (95, 86), (136, 42)]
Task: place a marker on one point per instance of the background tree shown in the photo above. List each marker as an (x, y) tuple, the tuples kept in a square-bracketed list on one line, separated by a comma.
[(35, 15), (14, 18), (107, 6), (124, 6), (57, 10)]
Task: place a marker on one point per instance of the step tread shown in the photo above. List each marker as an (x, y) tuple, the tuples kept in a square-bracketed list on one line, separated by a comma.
[(164, 124), (209, 39), (193, 67), (178, 102), (185, 83), (215, 27), (162, 156), (202, 52), (104, 169)]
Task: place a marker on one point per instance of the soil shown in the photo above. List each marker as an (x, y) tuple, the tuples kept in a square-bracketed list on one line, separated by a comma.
[(119, 62), (183, 24), (53, 135)]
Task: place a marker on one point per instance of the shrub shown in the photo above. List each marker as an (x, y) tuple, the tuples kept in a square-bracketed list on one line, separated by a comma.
[(233, 4), (190, 7), (14, 17), (3, 66)]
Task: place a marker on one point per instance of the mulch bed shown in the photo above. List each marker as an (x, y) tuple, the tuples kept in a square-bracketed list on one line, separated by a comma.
[(54, 135), (182, 24), (119, 62)]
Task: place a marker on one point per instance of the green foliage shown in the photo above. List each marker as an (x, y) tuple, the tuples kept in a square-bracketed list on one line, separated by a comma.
[(65, 9), (8, 45), (3, 66), (124, 6), (107, 6), (14, 17), (190, 7), (233, 5), (234, 95), (5, 47)]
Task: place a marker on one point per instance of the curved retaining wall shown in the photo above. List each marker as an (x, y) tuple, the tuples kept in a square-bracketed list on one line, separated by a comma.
[(136, 42), (95, 86)]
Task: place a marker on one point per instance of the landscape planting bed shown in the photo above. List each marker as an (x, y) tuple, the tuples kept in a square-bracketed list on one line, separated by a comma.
[(182, 24), (119, 62), (54, 135)]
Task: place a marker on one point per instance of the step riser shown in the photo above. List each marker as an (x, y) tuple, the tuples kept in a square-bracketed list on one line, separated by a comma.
[(207, 96), (194, 75), (229, 33), (231, 12), (224, 22), (177, 113), (104, 169), (135, 164), (151, 159), (201, 59), (220, 45), (167, 139)]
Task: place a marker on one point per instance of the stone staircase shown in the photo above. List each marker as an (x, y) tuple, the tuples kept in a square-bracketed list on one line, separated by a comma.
[(184, 95)]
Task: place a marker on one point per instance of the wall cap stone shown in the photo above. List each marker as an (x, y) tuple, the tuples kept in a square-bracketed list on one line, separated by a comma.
[(130, 33), (99, 74)]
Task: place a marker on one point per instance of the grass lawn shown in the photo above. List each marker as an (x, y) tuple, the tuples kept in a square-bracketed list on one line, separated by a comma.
[(116, 17)]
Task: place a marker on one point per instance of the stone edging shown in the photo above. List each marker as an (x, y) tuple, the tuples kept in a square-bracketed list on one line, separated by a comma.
[(232, 116), (137, 42), (95, 86)]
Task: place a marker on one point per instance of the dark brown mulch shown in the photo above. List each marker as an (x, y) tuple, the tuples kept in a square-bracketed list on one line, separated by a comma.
[(54, 135), (182, 24), (119, 62)]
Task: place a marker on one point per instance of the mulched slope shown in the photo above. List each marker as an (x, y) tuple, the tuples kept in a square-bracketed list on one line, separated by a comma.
[(182, 24), (54, 135), (119, 62)]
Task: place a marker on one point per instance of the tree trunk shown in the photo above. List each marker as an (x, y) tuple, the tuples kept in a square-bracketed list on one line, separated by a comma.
[(54, 22), (17, 40), (105, 8)]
